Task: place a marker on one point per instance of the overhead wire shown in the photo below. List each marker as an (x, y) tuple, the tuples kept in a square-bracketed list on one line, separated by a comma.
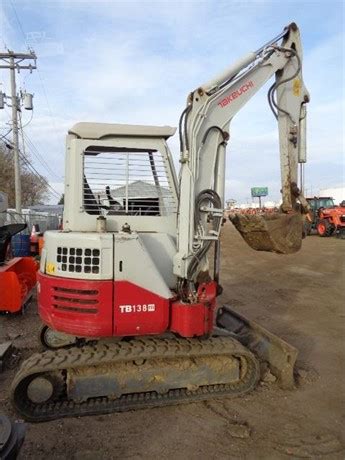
[(30, 165), (40, 158), (4, 136), (55, 193), (38, 155), (42, 178), (46, 96), (18, 22), (34, 150), (8, 123), (37, 174), (38, 71), (28, 122)]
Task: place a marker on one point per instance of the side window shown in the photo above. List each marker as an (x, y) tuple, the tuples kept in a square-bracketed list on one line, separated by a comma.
[(123, 182)]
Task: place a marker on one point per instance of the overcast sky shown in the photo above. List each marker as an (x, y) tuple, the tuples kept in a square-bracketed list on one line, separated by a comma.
[(135, 62)]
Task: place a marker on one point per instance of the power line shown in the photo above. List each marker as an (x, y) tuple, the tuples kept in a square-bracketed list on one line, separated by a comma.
[(19, 23), (38, 175), (46, 97), (3, 136), (40, 158), (35, 172), (15, 62), (39, 73), (31, 166), (15, 128), (28, 122), (35, 151), (43, 179)]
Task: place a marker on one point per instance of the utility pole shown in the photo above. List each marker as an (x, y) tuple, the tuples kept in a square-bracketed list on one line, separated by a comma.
[(17, 181), (16, 61)]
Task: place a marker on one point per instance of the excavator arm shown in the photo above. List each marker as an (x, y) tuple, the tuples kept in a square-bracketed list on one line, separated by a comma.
[(204, 133)]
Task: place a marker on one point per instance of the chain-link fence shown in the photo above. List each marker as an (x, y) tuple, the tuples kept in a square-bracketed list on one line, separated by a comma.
[(42, 220)]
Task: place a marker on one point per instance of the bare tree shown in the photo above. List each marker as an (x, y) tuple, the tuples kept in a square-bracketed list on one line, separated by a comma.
[(34, 188)]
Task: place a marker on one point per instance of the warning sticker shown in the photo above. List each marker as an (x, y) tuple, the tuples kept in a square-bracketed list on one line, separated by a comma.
[(296, 88), (50, 268)]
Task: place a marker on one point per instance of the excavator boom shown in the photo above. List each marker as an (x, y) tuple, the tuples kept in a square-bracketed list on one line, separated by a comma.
[(204, 134)]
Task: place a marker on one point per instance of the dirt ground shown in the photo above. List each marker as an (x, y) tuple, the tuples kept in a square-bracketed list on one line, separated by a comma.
[(299, 297)]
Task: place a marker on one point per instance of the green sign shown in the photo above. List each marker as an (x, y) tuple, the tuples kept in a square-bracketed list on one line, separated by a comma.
[(259, 191)]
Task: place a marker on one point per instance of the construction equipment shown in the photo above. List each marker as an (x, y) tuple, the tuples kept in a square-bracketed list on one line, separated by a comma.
[(325, 217), (17, 274), (127, 287)]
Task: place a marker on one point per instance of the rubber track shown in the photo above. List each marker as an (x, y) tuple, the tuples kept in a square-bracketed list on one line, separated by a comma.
[(102, 354)]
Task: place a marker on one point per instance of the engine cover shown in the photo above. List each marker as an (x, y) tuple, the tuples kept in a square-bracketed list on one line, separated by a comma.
[(107, 308)]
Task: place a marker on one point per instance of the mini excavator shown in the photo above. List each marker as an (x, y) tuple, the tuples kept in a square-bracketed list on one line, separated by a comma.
[(128, 288)]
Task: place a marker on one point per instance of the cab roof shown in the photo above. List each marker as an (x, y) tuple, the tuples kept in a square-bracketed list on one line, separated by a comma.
[(86, 130)]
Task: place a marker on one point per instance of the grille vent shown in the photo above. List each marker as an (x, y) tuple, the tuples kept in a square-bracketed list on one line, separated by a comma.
[(78, 260), (75, 300)]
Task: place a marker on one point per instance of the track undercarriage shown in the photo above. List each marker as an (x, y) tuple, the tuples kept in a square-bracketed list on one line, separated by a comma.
[(130, 375), (126, 375)]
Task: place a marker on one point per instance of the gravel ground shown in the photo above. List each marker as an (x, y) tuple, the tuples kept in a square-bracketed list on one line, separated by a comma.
[(299, 297)]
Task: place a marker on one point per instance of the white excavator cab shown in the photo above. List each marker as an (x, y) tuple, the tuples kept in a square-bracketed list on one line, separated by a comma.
[(124, 173)]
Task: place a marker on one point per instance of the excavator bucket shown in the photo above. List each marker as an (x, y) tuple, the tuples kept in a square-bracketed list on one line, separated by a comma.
[(271, 350), (277, 232)]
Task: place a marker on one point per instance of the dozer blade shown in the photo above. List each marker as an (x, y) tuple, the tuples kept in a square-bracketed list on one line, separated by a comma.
[(278, 232), (268, 348)]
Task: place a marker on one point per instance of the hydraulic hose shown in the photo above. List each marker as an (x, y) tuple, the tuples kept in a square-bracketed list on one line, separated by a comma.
[(270, 95)]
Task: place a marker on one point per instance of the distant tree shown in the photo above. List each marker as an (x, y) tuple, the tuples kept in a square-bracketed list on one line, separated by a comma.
[(34, 189), (62, 199)]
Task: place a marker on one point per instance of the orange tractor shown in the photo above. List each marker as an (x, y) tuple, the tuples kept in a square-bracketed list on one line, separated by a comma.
[(326, 217)]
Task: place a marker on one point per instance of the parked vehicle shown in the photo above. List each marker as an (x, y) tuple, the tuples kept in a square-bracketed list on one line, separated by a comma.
[(326, 217)]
